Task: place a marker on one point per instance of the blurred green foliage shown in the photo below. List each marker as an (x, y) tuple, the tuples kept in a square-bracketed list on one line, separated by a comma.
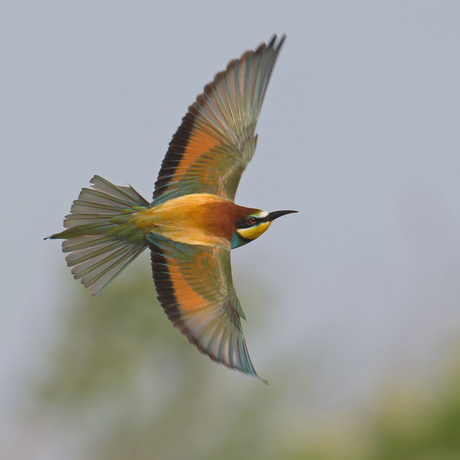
[(405, 424), (130, 387), (124, 373)]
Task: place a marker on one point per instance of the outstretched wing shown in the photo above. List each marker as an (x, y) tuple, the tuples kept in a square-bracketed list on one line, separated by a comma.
[(216, 139), (195, 288)]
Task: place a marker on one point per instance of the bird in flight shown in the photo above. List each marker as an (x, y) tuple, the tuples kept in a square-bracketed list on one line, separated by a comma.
[(192, 223)]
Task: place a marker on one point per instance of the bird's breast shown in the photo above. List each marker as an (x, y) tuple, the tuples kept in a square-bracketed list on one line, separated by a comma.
[(198, 219)]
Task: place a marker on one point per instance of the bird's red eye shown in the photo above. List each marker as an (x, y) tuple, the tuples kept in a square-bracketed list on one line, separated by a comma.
[(252, 220)]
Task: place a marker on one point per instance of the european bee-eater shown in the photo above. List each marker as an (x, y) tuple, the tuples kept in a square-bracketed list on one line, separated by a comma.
[(192, 223)]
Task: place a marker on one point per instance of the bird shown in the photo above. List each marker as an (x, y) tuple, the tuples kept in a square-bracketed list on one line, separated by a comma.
[(192, 223)]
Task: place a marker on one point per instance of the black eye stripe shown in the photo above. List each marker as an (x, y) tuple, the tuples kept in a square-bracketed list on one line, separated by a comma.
[(248, 223)]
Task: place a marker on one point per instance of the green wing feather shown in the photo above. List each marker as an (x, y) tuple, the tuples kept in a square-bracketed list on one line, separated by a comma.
[(194, 286), (216, 140)]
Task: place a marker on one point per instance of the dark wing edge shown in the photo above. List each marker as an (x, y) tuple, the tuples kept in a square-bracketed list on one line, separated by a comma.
[(214, 328), (226, 114)]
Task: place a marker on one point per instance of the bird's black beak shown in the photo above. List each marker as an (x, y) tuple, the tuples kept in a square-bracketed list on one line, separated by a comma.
[(275, 214)]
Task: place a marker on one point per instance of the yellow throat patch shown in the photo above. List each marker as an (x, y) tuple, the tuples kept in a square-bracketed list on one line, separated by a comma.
[(254, 232)]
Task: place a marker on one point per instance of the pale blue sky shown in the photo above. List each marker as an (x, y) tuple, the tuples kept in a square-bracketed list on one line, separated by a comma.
[(359, 132)]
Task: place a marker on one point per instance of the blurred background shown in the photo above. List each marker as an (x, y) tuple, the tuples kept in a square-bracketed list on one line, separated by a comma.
[(353, 304)]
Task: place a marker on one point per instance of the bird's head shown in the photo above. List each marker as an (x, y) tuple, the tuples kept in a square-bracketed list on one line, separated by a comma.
[(252, 226)]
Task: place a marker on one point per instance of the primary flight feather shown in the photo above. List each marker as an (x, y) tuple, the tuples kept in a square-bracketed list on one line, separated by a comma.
[(192, 223)]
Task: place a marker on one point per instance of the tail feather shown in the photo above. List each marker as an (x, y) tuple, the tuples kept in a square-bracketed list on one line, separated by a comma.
[(103, 198), (83, 242), (80, 206), (97, 273), (100, 236), (74, 220), (128, 193), (89, 254)]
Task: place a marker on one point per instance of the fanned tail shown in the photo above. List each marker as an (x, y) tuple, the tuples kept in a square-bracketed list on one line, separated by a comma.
[(100, 234)]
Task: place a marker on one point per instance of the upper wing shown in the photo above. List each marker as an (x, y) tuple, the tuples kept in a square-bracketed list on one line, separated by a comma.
[(195, 288), (216, 140)]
